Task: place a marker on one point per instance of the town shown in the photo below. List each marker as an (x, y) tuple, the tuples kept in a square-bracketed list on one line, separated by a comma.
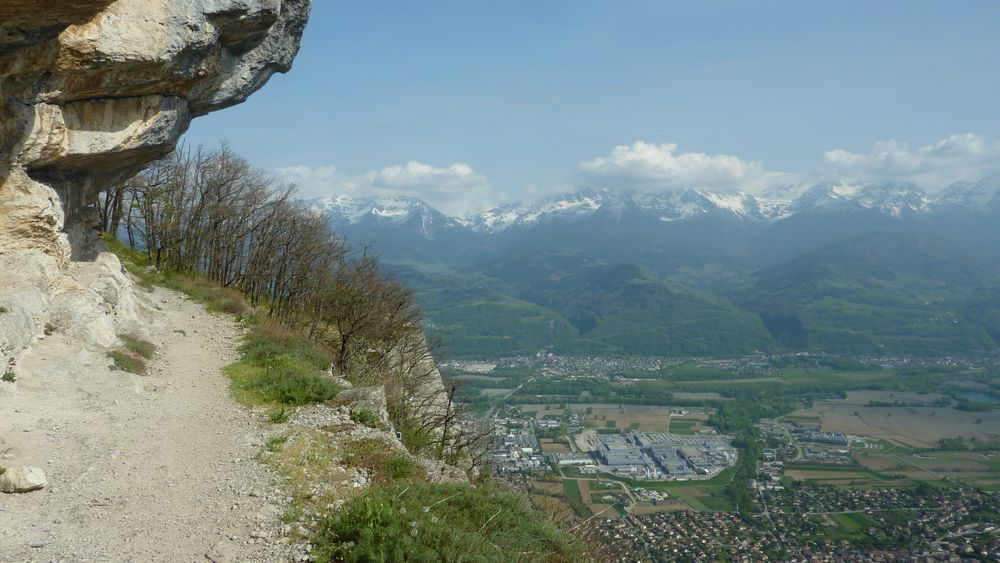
[(639, 455)]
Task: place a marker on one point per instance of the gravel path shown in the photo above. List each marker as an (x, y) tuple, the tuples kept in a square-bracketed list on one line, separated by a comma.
[(154, 468)]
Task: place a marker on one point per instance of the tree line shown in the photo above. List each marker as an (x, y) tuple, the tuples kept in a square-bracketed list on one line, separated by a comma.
[(208, 212)]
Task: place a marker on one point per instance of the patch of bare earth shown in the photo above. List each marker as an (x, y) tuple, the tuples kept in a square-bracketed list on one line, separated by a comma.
[(159, 467)]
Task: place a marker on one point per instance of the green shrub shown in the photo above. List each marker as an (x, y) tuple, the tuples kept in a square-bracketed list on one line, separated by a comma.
[(441, 522), (368, 418), (9, 376), (126, 362), (138, 346), (268, 340), (256, 385), (3, 309), (275, 444), (388, 464), (278, 416), (278, 366)]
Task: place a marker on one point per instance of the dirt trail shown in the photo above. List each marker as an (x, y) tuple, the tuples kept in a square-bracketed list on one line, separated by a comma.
[(153, 468)]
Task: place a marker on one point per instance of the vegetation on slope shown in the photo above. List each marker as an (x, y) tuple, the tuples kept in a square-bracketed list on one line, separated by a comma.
[(210, 226), (574, 305), (883, 292), (278, 366), (438, 522)]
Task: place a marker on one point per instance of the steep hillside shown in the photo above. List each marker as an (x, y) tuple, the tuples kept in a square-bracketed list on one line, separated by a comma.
[(881, 292), (574, 305), (528, 276)]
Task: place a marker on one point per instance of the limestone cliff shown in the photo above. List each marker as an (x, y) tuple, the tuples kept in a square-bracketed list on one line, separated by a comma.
[(90, 92)]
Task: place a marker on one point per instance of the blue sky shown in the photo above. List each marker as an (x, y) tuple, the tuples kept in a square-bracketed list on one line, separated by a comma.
[(471, 103)]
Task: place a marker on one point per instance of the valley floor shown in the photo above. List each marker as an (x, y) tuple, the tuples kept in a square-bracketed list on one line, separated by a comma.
[(159, 467)]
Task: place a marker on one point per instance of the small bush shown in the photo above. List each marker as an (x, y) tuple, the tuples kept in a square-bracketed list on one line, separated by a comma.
[(278, 416), (138, 346), (126, 362), (275, 444), (268, 339), (386, 462), (50, 329), (368, 418), (3, 309), (278, 366), (255, 385), (401, 467), (414, 436), (9, 376), (441, 522)]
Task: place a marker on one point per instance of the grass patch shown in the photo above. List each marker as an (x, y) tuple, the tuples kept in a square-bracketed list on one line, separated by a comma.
[(126, 362), (441, 522), (275, 444), (281, 367), (850, 522), (368, 418), (685, 427), (138, 346), (571, 489), (278, 416), (387, 463)]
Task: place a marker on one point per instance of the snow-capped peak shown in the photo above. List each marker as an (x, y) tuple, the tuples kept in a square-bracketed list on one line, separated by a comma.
[(898, 200), (893, 199)]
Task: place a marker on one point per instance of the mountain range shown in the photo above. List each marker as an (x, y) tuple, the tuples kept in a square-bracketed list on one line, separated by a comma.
[(842, 267)]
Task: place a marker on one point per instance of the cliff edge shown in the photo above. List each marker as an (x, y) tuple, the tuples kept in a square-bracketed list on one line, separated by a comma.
[(90, 92)]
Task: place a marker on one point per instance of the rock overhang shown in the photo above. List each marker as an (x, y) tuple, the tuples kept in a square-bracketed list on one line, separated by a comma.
[(90, 92)]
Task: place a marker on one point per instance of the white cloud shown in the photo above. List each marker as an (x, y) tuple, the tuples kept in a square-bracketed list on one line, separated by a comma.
[(647, 165), (964, 157), (316, 181), (454, 189)]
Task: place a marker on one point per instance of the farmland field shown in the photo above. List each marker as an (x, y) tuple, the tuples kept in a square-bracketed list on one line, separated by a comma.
[(553, 447), (630, 417), (688, 424), (802, 475), (915, 427)]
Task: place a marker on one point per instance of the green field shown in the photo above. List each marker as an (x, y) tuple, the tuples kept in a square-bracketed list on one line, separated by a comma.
[(845, 526), (682, 426), (572, 491)]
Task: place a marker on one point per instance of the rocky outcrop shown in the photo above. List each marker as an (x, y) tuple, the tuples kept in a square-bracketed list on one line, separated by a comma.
[(90, 92)]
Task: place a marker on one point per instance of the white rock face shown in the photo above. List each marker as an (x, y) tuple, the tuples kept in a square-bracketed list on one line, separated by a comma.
[(90, 92), (22, 479)]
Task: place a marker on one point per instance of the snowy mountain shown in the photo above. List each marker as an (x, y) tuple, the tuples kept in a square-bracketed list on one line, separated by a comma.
[(891, 200), (400, 212), (840, 266), (666, 206)]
